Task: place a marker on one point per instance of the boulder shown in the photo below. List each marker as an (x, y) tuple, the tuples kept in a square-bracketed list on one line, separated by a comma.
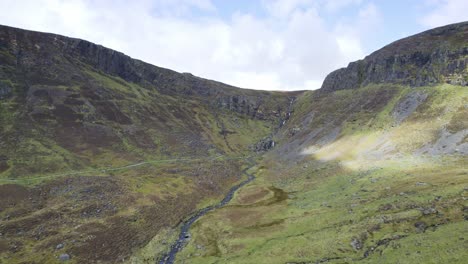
[(64, 257), (264, 144)]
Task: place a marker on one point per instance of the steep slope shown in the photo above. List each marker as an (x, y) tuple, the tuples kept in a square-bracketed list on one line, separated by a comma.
[(371, 168), (84, 96), (98, 150)]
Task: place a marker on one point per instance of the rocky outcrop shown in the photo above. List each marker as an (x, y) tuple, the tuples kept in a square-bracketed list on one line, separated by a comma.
[(435, 56), (263, 145), (250, 106), (408, 105), (239, 104)]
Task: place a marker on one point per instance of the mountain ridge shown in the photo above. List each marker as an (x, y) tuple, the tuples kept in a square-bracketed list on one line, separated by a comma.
[(24, 43), (106, 59), (428, 58)]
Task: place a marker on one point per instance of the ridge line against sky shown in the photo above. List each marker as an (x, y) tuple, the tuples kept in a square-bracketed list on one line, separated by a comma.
[(259, 44)]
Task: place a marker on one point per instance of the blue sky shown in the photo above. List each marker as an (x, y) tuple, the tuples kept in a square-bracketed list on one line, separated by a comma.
[(259, 44)]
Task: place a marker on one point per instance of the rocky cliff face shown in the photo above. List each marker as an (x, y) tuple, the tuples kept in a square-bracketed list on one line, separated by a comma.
[(51, 59), (32, 48), (436, 56)]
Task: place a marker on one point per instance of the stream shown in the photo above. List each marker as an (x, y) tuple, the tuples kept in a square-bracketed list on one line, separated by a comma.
[(184, 234)]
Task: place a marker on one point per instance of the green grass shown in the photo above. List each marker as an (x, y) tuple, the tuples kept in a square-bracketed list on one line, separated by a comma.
[(113, 82), (324, 213), (157, 246)]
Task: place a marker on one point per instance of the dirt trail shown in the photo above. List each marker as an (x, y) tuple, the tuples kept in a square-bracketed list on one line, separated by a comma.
[(104, 169)]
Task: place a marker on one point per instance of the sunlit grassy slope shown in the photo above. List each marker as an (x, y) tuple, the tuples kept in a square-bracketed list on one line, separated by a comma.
[(375, 175)]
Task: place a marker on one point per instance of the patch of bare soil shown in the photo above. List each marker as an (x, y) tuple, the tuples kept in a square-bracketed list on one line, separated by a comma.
[(254, 196)]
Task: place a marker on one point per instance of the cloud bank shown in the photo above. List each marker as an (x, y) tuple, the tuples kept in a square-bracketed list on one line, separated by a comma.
[(445, 12)]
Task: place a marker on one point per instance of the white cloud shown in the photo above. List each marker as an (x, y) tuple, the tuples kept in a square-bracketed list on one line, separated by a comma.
[(334, 5), (445, 12), (283, 8), (291, 47), (350, 35)]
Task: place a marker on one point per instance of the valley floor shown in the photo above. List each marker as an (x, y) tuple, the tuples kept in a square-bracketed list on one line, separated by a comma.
[(400, 211)]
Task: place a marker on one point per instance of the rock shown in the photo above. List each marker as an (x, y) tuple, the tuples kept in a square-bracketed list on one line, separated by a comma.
[(243, 105), (356, 244), (293, 131), (420, 226), (421, 184), (407, 105), (64, 257), (264, 145), (59, 246), (446, 143), (428, 211), (386, 207)]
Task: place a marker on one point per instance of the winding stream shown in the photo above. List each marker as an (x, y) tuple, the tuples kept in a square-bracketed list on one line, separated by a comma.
[(184, 235)]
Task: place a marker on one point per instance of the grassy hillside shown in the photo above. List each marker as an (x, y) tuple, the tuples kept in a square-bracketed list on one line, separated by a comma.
[(98, 150), (106, 121), (107, 164), (374, 175)]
